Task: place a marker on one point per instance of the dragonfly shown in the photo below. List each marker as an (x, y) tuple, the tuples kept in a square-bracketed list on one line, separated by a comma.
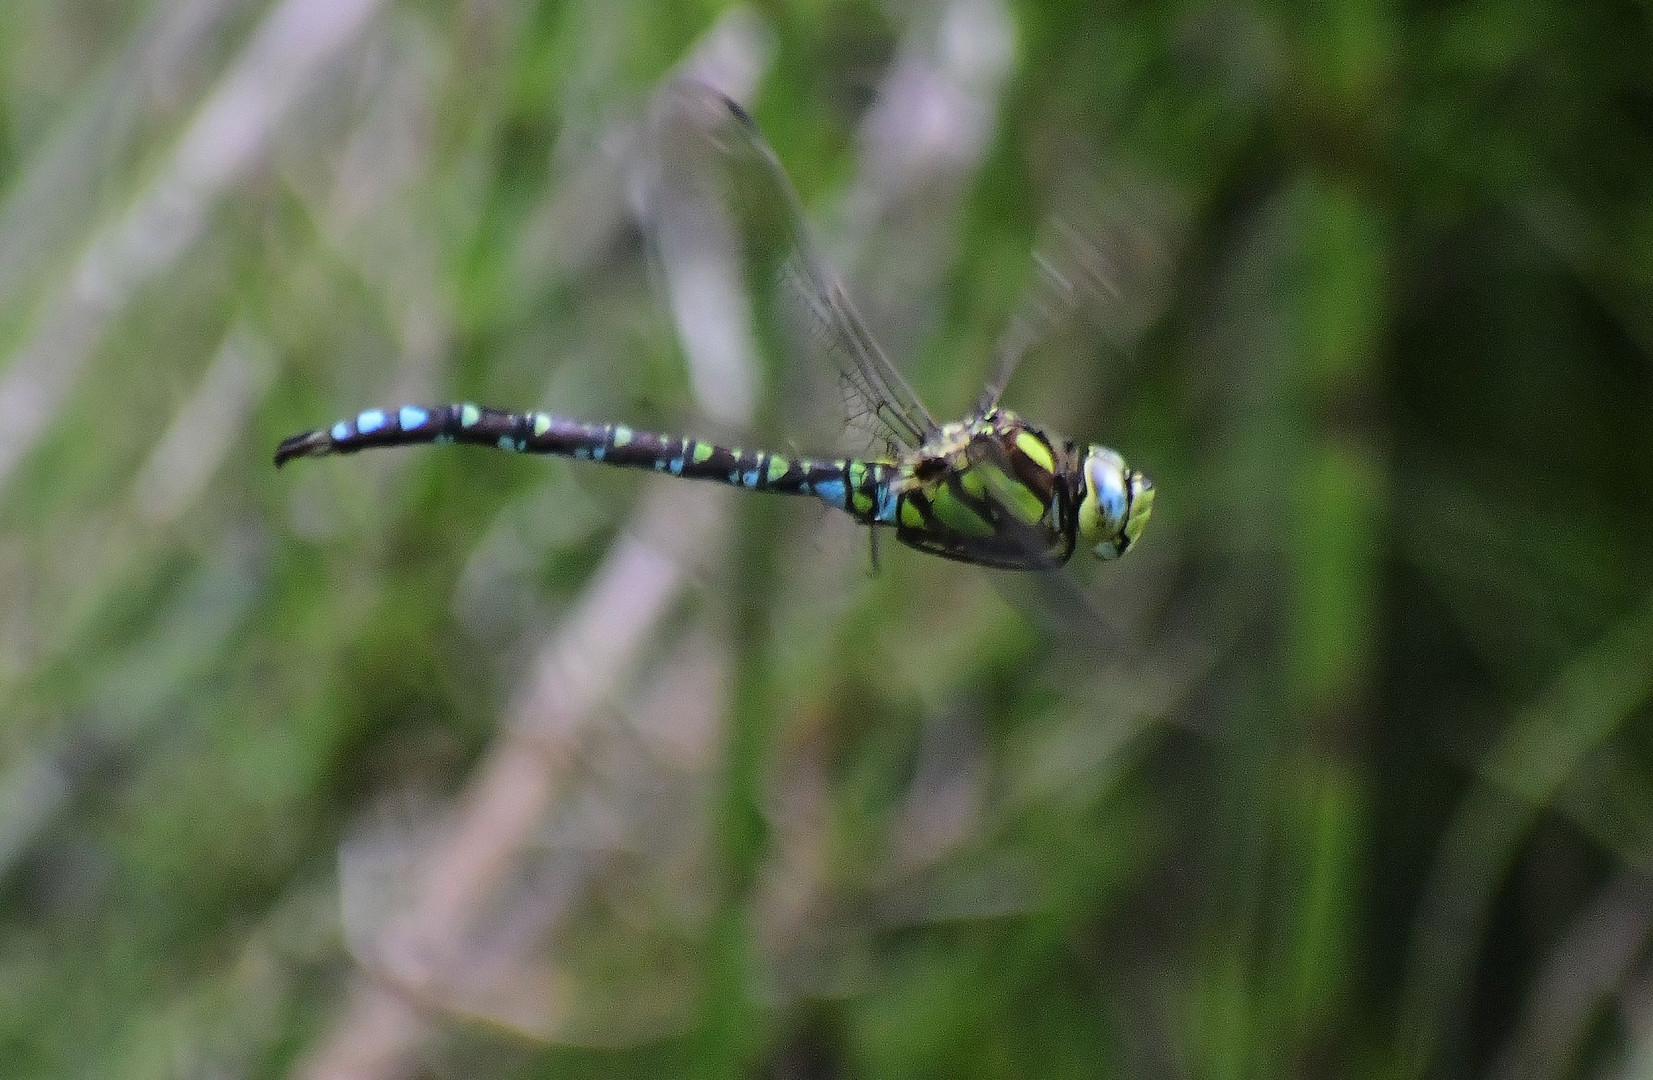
[(992, 489)]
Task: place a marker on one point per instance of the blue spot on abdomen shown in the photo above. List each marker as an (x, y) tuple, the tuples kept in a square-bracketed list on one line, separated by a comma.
[(887, 500), (370, 421), (831, 492), (412, 417)]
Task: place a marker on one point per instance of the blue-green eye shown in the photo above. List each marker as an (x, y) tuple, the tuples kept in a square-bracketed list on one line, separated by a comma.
[(1109, 483), (1116, 503)]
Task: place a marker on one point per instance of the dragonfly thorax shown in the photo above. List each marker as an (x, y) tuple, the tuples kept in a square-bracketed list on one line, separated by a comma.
[(993, 490)]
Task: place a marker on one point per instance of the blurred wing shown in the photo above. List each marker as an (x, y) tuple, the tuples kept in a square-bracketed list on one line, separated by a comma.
[(708, 143), (1098, 266)]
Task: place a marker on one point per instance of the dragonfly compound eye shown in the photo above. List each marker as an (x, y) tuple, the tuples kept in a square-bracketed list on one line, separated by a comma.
[(1115, 506), (1141, 506)]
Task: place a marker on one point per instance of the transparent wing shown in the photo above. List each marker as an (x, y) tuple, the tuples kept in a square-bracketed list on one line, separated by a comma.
[(875, 425), (1102, 263), (707, 144)]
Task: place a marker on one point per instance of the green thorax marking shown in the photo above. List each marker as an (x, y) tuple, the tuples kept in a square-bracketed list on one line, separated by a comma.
[(992, 490)]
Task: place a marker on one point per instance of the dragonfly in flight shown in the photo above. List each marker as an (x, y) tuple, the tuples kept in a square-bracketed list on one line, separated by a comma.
[(992, 489)]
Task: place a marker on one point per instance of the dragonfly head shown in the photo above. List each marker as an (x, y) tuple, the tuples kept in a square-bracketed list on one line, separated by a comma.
[(1115, 505)]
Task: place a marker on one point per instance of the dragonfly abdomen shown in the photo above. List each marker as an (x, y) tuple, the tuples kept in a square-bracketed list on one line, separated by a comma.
[(862, 488)]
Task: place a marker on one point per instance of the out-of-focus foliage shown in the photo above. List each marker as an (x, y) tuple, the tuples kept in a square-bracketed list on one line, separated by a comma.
[(447, 763)]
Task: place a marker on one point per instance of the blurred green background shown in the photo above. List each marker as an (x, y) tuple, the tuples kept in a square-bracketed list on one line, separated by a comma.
[(438, 763)]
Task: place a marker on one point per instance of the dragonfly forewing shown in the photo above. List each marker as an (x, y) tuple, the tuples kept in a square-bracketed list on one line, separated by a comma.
[(705, 139)]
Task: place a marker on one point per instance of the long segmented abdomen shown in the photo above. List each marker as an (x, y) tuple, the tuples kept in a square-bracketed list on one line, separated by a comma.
[(862, 488)]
